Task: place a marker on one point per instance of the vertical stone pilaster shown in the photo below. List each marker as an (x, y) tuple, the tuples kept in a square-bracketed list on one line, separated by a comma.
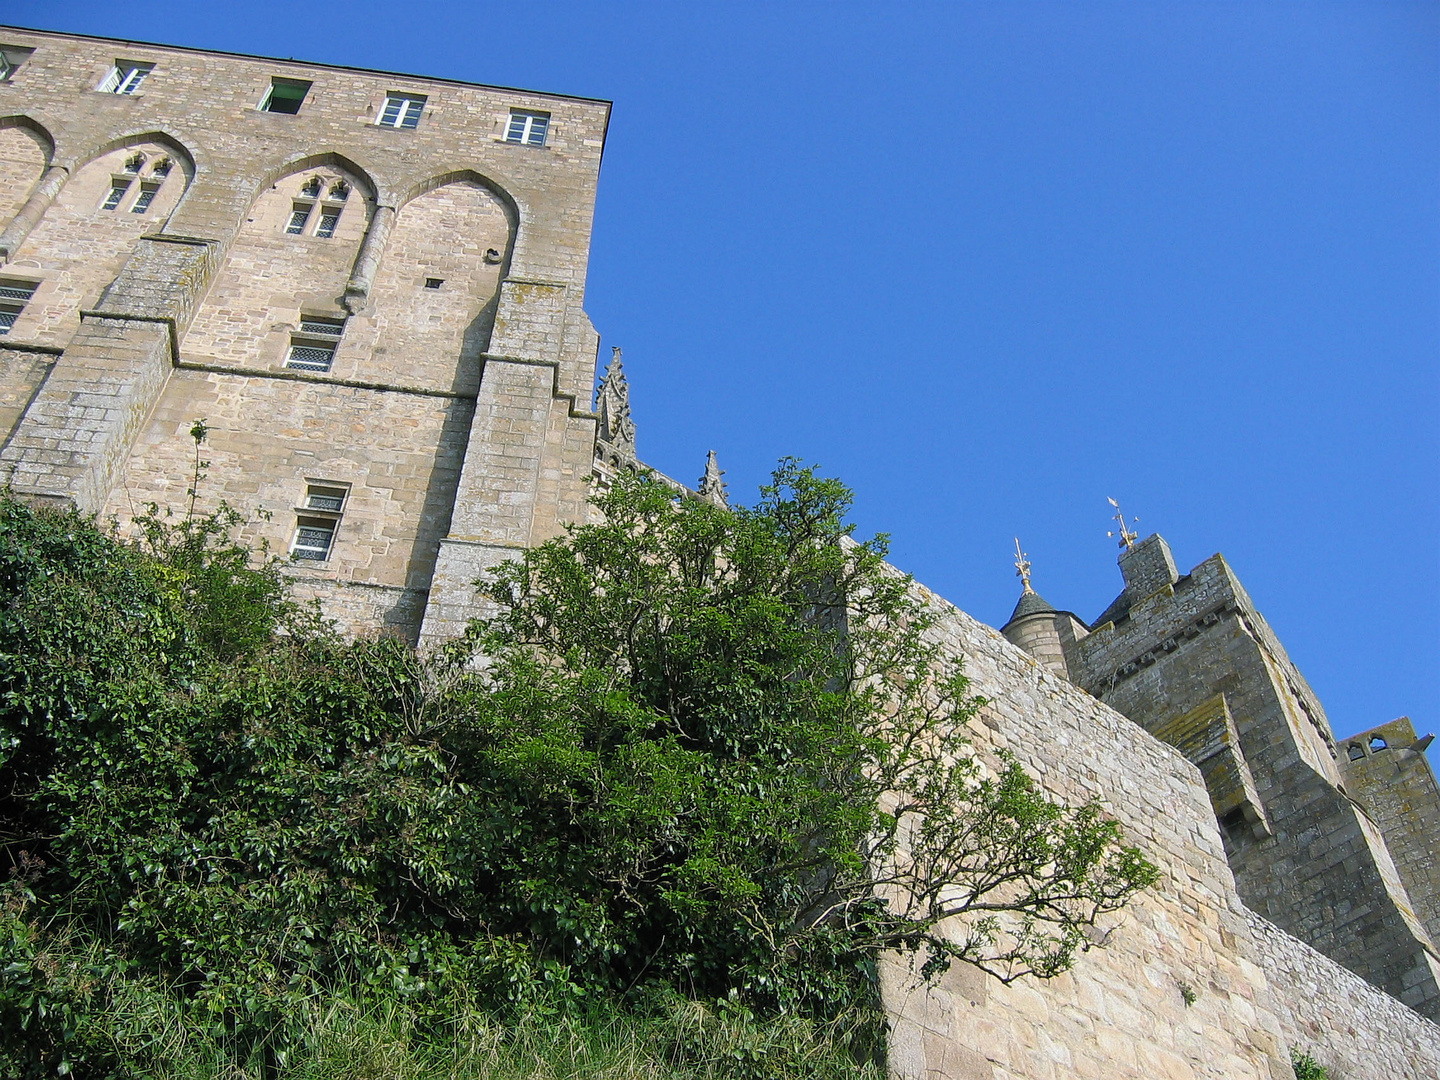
[(77, 432), (499, 486), (367, 261), (51, 181)]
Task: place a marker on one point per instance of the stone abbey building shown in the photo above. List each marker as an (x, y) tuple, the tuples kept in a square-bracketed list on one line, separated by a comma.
[(371, 287)]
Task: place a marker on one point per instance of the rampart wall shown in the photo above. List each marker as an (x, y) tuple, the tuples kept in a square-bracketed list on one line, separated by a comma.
[(1120, 1011)]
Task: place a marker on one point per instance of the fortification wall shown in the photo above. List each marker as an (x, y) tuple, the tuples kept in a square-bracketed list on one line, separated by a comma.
[(1395, 784), (1306, 856), (1120, 1012), (1356, 1031)]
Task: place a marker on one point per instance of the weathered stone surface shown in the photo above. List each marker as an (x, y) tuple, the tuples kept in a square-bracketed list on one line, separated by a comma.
[(454, 419), (1304, 854), (432, 245)]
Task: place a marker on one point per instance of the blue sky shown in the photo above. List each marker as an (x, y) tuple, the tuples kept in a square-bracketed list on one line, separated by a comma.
[(992, 263)]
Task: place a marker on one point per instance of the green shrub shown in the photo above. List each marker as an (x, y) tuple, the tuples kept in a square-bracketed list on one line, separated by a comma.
[(1306, 1067), (658, 801)]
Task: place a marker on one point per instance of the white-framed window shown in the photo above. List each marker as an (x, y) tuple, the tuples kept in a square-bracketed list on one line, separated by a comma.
[(329, 219), (147, 195), (125, 77), (318, 518), (326, 498), (299, 215), (527, 128), (285, 96), (11, 57), (314, 537), (14, 295), (312, 347), (118, 186), (401, 110)]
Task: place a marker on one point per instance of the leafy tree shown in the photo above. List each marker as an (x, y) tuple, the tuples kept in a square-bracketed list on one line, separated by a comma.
[(736, 760), (708, 755)]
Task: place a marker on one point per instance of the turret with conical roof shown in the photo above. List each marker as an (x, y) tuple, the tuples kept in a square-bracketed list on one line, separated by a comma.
[(1038, 628)]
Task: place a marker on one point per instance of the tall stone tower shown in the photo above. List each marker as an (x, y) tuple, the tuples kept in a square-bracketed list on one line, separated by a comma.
[(369, 285), (1336, 849)]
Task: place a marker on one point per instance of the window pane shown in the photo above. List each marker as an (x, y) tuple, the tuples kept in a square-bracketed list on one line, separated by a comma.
[(310, 358), (143, 201), (328, 220), (7, 320), (325, 499), (328, 327), (517, 128), (285, 96), (17, 292), (117, 192), (131, 79), (298, 217), (391, 114), (312, 541), (413, 109)]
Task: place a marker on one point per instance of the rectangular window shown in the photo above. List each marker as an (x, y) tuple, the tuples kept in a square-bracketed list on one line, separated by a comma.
[(14, 295), (118, 188), (528, 128), (285, 96), (402, 110), (329, 218), (145, 198), (125, 77), (321, 327), (329, 499), (298, 216), (313, 538), (11, 57), (303, 357), (312, 347)]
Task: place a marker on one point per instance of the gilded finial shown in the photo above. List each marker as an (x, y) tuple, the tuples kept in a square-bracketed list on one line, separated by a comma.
[(1127, 535), (1022, 567)]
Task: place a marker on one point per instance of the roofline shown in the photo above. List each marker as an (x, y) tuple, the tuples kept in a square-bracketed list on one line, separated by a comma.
[(312, 64)]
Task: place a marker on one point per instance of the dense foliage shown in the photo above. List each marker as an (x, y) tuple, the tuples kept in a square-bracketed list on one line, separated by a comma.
[(708, 756)]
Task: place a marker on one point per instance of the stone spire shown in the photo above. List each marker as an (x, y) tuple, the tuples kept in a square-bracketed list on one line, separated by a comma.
[(712, 488), (613, 405)]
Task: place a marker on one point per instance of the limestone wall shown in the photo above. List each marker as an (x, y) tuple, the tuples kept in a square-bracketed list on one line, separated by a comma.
[(1354, 1030), (270, 439), (422, 240), (1306, 856), (1393, 781), (21, 373), (1120, 1012)]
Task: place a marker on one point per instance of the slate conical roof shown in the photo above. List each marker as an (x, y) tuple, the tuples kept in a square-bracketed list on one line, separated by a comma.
[(1031, 603)]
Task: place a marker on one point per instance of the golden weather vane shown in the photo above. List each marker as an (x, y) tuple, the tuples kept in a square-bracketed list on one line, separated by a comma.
[(1022, 566), (1127, 536)]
